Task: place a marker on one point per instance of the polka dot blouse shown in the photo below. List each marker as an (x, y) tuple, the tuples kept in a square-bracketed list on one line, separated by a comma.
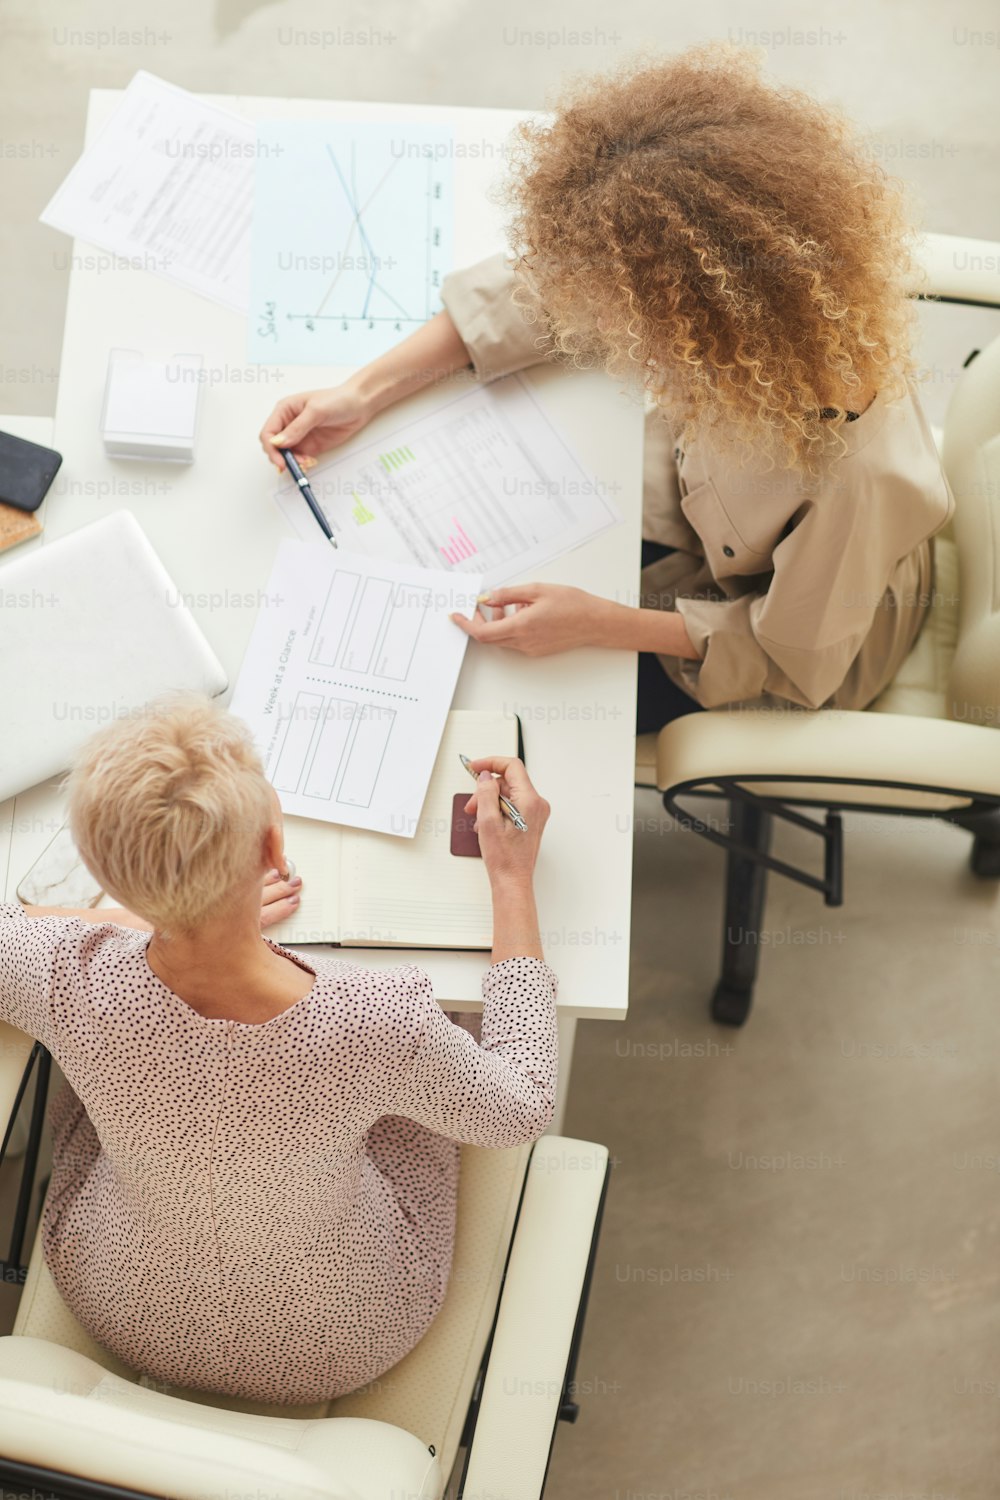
[(265, 1210)]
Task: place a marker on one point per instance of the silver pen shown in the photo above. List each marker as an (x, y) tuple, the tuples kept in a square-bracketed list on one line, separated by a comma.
[(505, 802)]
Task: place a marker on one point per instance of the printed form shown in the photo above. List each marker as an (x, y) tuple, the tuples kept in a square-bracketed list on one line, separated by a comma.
[(168, 187), (347, 682)]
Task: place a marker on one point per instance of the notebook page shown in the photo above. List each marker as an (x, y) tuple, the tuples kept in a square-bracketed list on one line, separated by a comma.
[(415, 892)]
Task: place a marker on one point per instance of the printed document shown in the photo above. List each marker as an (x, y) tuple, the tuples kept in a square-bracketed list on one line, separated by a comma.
[(484, 484), (347, 682), (167, 187)]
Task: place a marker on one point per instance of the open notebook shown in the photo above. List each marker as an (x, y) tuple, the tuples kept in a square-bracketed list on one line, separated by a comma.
[(364, 889)]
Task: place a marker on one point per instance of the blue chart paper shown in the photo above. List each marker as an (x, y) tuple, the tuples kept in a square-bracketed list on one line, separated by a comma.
[(352, 237)]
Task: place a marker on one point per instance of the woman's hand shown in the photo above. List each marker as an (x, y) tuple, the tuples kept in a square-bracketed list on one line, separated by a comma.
[(509, 854), (548, 617), (279, 898), (313, 422)]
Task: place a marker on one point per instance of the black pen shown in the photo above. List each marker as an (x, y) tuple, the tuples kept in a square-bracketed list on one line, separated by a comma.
[(307, 494)]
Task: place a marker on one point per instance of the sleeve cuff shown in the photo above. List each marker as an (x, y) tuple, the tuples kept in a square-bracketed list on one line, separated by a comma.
[(695, 624), (731, 666), (525, 970), (494, 329)]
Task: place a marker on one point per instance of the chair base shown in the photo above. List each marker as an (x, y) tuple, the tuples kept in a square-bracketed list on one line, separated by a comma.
[(731, 1006), (984, 861), (748, 860), (746, 887), (984, 825)]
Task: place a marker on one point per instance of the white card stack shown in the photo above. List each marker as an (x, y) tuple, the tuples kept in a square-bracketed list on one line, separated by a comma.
[(151, 406)]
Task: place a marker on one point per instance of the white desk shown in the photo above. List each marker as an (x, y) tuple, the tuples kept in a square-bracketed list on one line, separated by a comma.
[(215, 525)]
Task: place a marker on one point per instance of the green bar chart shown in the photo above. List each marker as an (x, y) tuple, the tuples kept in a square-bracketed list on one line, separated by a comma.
[(395, 459)]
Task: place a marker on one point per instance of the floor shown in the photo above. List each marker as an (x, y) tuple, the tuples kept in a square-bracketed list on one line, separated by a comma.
[(796, 1293)]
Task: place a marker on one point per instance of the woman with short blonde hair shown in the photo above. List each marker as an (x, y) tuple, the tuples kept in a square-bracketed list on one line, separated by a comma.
[(191, 808), (255, 1158)]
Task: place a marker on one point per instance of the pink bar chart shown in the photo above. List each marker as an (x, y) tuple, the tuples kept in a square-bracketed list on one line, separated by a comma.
[(460, 546)]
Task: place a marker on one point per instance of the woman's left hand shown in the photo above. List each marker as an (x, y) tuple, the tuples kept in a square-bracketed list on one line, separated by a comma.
[(279, 899), (547, 617)]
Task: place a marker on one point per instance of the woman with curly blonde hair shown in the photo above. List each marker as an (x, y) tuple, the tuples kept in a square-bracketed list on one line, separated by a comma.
[(735, 247)]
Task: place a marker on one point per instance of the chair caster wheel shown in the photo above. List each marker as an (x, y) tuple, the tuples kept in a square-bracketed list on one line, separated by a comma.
[(985, 859), (730, 1007)]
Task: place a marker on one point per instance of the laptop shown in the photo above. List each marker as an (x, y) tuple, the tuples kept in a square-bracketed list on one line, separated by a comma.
[(92, 628)]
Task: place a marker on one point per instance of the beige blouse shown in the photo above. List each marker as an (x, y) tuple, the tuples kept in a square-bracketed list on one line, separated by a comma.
[(810, 598)]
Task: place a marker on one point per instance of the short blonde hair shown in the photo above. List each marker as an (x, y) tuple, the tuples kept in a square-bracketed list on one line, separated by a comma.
[(169, 808)]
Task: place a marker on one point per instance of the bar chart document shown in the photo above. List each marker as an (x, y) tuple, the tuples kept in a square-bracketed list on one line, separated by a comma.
[(347, 682), (352, 236), (484, 484), (167, 187)]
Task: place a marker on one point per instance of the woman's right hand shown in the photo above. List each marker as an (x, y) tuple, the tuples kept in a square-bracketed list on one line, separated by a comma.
[(313, 422), (508, 853)]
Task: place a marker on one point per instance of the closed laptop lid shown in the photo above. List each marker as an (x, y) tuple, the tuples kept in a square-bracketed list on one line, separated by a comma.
[(92, 627)]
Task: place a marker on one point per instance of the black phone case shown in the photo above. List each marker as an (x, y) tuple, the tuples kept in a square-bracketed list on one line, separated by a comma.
[(26, 471)]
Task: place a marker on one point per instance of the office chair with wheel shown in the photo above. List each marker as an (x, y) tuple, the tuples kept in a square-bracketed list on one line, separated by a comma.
[(926, 747)]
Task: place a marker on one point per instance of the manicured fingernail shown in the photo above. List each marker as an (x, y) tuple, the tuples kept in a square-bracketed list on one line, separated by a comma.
[(484, 598), (307, 463), (295, 880), (484, 776), (293, 900), (271, 875)]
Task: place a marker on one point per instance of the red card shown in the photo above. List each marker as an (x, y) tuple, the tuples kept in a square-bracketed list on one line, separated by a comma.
[(464, 838)]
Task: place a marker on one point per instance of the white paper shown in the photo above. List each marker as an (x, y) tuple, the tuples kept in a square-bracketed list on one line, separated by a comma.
[(484, 484), (347, 682), (168, 187), (359, 260), (152, 397)]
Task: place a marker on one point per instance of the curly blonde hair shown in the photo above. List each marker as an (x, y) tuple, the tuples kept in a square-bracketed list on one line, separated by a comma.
[(735, 240)]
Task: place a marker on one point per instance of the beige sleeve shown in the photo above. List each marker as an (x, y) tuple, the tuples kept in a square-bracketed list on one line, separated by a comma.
[(501, 336), (798, 639)]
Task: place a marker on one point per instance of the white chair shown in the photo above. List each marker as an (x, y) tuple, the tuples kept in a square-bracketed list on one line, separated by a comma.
[(476, 1401), (926, 747)]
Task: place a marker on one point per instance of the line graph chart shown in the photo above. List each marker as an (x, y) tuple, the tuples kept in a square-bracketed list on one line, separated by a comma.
[(352, 237)]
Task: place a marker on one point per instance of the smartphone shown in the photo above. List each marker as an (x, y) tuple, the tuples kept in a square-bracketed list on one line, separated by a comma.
[(26, 471)]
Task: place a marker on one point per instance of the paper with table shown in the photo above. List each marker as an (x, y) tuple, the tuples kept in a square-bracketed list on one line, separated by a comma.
[(347, 681), (167, 187), (364, 889), (484, 484)]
